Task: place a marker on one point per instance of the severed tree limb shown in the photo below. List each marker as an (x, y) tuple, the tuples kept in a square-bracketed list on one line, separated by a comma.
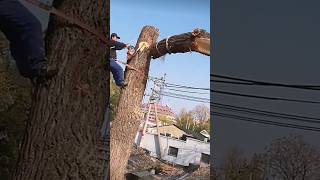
[(198, 41)]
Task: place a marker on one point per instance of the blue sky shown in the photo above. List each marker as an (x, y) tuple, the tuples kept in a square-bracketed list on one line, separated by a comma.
[(171, 18)]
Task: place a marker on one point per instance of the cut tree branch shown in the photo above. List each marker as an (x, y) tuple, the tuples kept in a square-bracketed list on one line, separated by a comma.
[(198, 40)]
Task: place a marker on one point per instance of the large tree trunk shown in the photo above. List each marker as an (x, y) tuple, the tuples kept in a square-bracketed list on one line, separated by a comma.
[(63, 129), (127, 119), (128, 115)]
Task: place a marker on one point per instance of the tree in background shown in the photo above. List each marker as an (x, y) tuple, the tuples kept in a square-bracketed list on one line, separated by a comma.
[(201, 113), (185, 120), (15, 101), (114, 98), (195, 120), (234, 166), (287, 158), (164, 120), (291, 158)]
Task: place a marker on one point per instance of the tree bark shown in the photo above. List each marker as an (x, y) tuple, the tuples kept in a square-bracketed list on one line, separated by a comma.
[(128, 114), (198, 41), (62, 134)]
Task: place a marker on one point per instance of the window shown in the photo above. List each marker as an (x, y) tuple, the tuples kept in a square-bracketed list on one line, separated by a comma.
[(205, 158), (173, 151), (168, 134)]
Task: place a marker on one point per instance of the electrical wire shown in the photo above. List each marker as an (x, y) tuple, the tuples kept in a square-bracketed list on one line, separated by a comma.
[(186, 87), (264, 97), (192, 92), (266, 122), (268, 114), (178, 87), (253, 82), (185, 96)]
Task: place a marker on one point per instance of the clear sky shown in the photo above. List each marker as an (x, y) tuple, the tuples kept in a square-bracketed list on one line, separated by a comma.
[(171, 18)]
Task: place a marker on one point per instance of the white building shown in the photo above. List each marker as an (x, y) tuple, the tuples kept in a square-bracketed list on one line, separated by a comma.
[(182, 151)]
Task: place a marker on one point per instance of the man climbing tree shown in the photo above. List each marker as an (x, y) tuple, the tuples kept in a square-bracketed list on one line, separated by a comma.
[(116, 69), (63, 129), (128, 115), (24, 32)]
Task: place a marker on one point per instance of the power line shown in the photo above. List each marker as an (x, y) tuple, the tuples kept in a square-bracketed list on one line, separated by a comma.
[(248, 110), (232, 82), (246, 95), (255, 120), (261, 83), (186, 87), (266, 113), (267, 122), (182, 95), (193, 92), (264, 97), (241, 95), (190, 99)]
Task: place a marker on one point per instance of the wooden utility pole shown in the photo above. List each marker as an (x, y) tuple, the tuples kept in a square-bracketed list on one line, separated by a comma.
[(158, 131)]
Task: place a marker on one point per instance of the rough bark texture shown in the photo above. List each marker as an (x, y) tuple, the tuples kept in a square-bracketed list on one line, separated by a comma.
[(128, 115), (181, 43), (63, 129)]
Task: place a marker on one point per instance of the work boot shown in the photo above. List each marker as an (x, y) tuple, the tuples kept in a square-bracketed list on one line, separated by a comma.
[(43, 74), (124, 85)]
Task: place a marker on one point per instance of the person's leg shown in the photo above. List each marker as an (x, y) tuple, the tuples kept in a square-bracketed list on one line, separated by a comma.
[(20, 59), (21, 27), (117, 72)]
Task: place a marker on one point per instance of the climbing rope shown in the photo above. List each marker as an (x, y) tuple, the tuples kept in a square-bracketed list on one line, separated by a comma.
[(167, 45), (52, 10)]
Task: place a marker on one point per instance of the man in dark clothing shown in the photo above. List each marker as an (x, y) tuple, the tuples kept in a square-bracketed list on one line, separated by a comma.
[(116, 69), (24, 32)]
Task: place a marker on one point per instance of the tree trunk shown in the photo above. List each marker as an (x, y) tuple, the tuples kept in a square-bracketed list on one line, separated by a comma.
[(62, 133), (128, 114)]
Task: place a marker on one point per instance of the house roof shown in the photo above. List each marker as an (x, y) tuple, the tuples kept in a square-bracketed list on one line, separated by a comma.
[(188, 133)]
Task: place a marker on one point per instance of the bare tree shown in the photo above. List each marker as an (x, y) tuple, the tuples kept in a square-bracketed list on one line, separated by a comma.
[(233, 166), (61, 138), (290, 158), (201, 113)]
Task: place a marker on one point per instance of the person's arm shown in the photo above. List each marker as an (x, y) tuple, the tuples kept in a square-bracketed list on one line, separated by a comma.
[(117, 45)]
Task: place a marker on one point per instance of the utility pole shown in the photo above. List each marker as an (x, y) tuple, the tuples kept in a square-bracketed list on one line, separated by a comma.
[(154, 100)]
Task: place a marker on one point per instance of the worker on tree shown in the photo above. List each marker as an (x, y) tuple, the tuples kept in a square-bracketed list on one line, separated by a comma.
[(24, 32), (130, 53), (116, 69)]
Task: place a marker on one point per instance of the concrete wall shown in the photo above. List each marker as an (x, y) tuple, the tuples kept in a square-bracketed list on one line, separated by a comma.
[(188, 151)]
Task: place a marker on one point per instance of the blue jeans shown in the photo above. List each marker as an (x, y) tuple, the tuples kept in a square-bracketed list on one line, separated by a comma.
[(24, 32), (117, 72)]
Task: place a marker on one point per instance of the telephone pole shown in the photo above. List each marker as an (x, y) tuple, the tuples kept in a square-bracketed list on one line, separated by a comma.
[(154, 100)]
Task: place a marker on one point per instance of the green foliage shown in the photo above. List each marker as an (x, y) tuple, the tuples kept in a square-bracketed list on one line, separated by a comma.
[(187, 120), (14, 102), (114, 98), (164, 120)]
